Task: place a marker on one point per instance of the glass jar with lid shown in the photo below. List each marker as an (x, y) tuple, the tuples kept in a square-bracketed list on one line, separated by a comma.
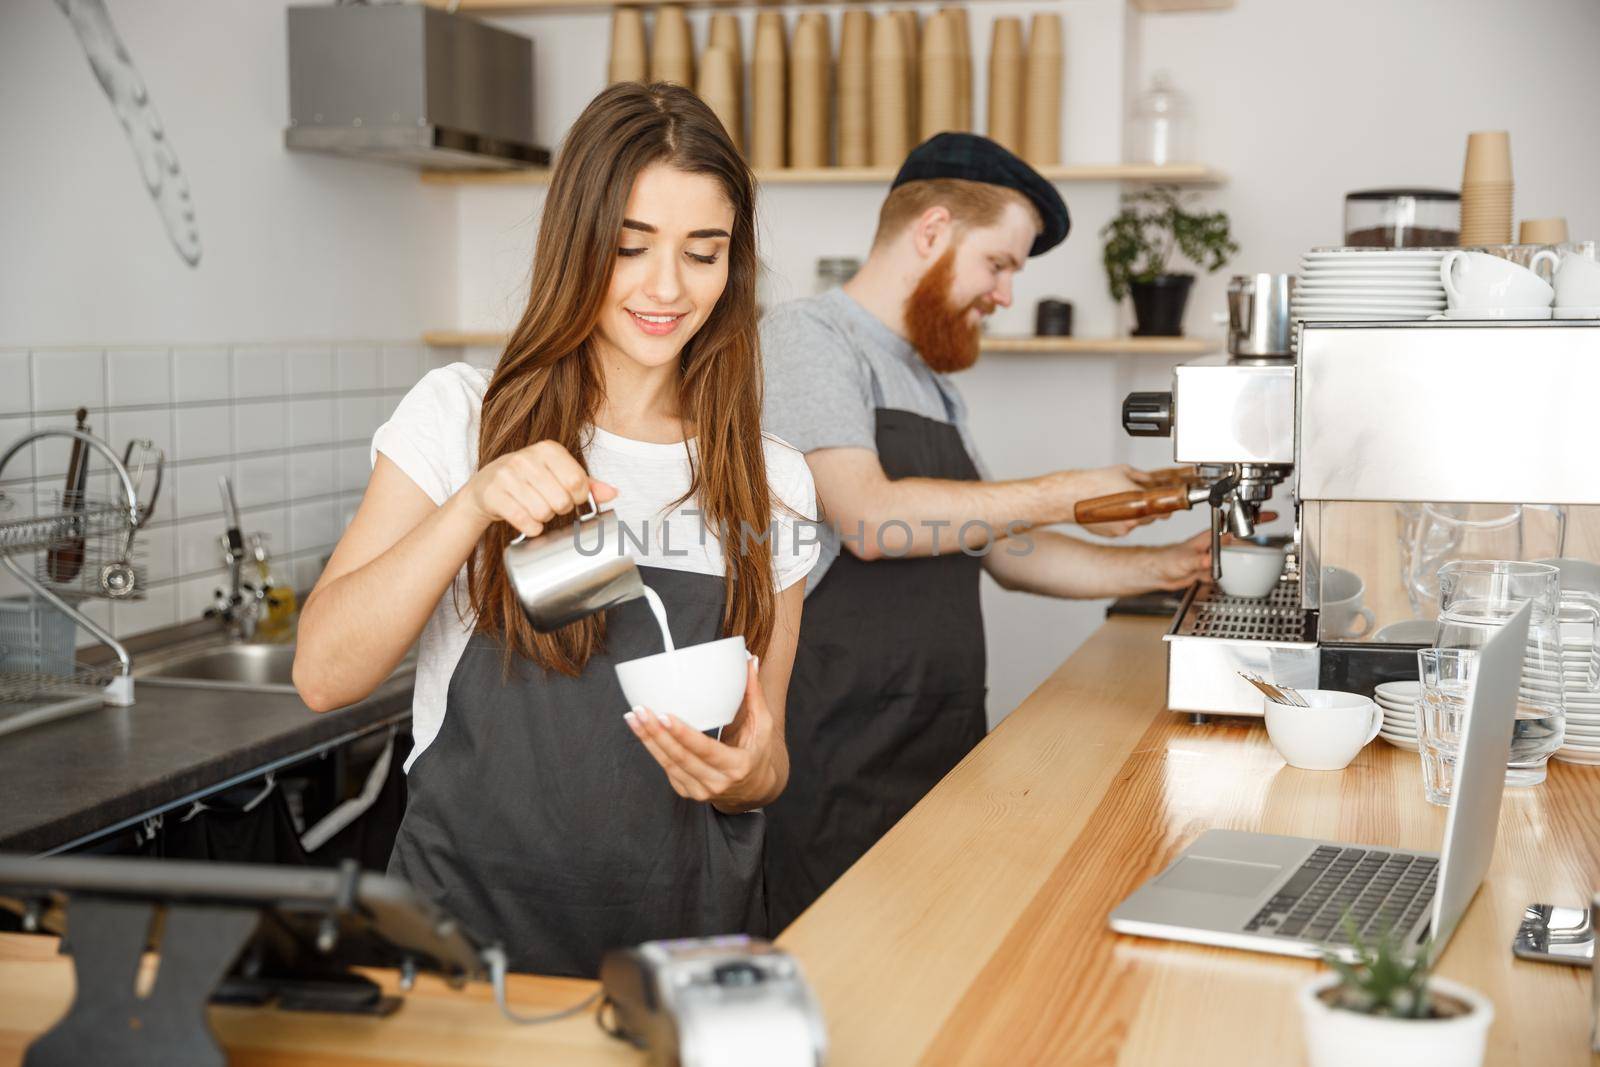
[(1159, 125), (1402, 218)]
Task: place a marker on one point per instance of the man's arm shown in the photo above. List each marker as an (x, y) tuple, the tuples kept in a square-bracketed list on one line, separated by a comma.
[(878, 517), (1054, 564)]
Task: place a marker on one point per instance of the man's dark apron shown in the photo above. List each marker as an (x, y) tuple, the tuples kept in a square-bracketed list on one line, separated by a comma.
[(538, 819), (888, 689)]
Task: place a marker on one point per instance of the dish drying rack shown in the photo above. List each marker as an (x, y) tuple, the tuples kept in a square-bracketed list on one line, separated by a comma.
[(85, 548)]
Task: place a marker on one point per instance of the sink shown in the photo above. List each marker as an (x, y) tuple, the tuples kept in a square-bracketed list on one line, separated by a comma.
[(254, 668), (260, 668)]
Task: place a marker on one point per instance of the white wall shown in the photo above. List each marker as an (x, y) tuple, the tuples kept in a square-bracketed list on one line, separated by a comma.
[(1298, 101), (294, 246)]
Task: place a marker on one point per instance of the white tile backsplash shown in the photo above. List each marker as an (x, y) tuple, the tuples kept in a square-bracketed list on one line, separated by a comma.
[(12, 429), (66, 380), (289, 424), (151, 424), (355, 466), (204, 432), (310, 370), (402, 366), (312, 526), (159, 608), (257, 372), (138, 376), (310, 422), (357, 368), (260, 480), (201, 374), (312, 473), (196, 490), (16, 392), (199, 550), (259, 427), (359, 417)]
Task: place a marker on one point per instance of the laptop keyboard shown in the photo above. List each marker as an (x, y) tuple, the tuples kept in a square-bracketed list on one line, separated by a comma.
[(1382, 891)]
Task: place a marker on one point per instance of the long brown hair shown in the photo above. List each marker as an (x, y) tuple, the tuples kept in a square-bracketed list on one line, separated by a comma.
[(547, 387)]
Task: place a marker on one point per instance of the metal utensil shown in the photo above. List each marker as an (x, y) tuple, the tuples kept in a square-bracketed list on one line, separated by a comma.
[(1276, 693), (566, 574)]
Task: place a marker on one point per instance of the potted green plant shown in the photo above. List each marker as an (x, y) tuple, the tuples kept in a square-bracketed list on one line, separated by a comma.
[(1140, 242), (1385, 1007)]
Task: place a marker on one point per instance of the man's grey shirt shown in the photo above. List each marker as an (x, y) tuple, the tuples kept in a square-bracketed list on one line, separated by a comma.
[(830, 363)]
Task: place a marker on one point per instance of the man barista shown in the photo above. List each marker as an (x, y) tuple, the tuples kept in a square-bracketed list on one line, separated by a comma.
[(888, 688)]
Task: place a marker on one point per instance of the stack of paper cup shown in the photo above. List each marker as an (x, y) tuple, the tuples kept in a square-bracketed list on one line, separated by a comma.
[(1542, 231), (1486, 189)]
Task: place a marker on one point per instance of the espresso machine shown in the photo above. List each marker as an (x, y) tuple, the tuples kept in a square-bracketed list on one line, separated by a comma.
[(1364, 417)]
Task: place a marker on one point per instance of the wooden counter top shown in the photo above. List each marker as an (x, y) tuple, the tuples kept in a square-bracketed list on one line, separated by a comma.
[(975, 932)]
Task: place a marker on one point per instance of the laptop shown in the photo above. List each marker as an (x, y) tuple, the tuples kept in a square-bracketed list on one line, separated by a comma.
[(1288, 895)]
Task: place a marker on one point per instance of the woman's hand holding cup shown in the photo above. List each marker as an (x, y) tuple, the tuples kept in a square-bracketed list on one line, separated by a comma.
[(746, 769), (531, 486)]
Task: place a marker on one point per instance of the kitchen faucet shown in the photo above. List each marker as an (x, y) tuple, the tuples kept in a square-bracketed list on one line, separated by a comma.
[(238, 608)]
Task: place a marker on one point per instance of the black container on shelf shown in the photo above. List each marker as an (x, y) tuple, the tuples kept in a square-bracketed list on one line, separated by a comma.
[(1053, 318), (1158, 305)]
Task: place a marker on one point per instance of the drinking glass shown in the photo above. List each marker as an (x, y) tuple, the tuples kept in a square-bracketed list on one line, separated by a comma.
[(1448, 677)]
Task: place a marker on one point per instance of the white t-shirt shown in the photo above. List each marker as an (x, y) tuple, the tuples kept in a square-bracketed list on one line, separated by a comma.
[(433, 438)]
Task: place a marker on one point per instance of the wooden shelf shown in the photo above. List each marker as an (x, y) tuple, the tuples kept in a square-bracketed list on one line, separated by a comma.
[(1100, 346), (1175, 174), (1052, 346), (539, 7)]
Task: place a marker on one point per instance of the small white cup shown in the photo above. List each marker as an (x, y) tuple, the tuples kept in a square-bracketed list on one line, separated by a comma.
[(1251, 570), (702, 685), (1327, 735), (1479, 280), (1342, 591), (1577, 282)]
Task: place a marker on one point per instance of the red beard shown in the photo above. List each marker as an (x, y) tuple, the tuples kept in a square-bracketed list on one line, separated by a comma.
[(937, 329)]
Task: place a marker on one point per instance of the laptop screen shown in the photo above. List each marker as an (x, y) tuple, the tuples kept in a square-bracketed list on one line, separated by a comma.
[(1469, 828)]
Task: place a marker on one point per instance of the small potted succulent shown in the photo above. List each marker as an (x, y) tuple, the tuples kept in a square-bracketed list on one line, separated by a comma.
[(1386, 1008), (1139, 246)]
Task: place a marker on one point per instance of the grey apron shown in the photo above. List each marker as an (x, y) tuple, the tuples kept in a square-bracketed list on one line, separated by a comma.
[(888, 688), (538, 819)]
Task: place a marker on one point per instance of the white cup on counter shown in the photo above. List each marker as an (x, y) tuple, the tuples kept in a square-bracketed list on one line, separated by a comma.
[(1481, 282), (1342, 593), (1325, 736)]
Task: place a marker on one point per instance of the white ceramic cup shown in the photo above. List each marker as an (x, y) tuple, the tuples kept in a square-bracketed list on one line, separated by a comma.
[(1577, 282), (702, 685), (1342, 591), (1327, 735), (1251, 570), (1479, 280)]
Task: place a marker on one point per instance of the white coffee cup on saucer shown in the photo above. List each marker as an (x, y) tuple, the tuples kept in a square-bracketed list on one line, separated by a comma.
[(702, 685), (1342, 591), (1325, 736), (1479, 280), (1577, 282)]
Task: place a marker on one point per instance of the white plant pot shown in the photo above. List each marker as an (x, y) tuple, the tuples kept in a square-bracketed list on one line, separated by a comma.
[(1339, 1038)]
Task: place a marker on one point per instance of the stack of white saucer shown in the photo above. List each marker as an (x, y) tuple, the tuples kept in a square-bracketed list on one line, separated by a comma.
[(1365, 284), (1581, 743), (1399, 703)]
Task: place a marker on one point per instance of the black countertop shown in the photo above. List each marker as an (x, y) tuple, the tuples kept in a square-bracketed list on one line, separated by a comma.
[(91, 771)]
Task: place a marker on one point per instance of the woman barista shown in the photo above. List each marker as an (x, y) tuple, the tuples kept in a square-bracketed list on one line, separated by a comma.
[(538, 813)]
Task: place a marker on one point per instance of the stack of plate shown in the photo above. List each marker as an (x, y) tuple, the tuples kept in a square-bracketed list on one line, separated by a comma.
[(1368, 285), (1399, 703), (1582, 741)]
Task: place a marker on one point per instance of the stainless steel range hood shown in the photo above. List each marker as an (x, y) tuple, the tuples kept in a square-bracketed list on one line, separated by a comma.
[(409, 84)]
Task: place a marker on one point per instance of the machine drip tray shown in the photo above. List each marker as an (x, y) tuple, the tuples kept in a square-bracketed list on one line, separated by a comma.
[(1276, 617)]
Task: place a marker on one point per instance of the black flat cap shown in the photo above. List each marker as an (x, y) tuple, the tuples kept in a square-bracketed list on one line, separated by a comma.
[(978, 159)]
